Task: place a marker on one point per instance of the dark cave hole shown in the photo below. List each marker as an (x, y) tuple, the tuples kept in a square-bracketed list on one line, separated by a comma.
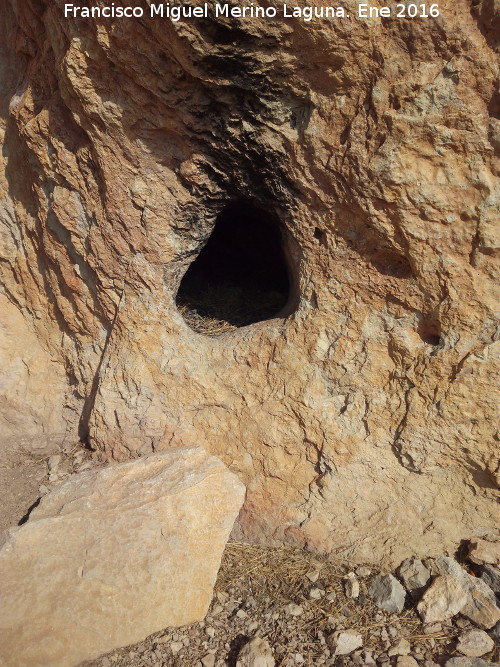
[(320, 235), (430, 332), (241, 275)]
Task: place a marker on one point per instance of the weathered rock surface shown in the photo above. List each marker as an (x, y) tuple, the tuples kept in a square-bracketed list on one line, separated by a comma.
[(387, 593), (112, 556), (475, 643), (376, 144), (482, 551), (491, 577), (444, 598), (33, 386), (470, 662)]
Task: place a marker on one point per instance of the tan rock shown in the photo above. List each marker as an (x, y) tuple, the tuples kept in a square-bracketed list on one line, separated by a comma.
[(482, 552), (444, 598), (406, 661), (345, 642), (401, 647), (481, 605), (375, 145), (33, 387), (114, 555), (256, 653)]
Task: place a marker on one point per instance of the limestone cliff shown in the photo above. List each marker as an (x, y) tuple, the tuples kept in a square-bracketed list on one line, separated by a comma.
[(362, 418)]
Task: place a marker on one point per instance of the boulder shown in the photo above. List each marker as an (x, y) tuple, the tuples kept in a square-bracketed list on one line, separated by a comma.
[(387, 593), (481, 607), (114, 555), (475, 643)]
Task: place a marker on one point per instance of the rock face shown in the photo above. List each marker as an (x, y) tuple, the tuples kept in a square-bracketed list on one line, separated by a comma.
[(375, 146), (114, 555), (30, 415)]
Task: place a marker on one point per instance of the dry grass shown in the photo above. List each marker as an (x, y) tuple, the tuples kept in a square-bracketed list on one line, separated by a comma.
[(221, 308), (209, 326), (278, 576), (261, 582)]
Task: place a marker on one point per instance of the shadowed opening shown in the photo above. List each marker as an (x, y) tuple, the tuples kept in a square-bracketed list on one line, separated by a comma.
[(240, 277)]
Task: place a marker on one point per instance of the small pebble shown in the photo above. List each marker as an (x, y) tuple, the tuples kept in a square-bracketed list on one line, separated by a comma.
[(53, 462), (175, 647), (351, 586), (316, 593), (294, 609), (402, 647), (431, 628)]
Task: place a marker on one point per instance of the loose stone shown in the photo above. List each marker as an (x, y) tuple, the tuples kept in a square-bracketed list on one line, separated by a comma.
[(387, 593), (257, 653), (475, 643)]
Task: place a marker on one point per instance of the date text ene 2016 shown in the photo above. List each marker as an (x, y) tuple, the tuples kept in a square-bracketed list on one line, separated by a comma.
[(411, 11)]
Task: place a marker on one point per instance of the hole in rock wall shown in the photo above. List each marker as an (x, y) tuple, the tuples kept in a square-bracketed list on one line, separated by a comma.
[(430, 332), (241, 276)]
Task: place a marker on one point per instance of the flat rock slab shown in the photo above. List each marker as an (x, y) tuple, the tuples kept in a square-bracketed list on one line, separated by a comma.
[(114, 555)]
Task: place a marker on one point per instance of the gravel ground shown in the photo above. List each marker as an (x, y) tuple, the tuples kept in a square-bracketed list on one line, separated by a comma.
[(292, 599)]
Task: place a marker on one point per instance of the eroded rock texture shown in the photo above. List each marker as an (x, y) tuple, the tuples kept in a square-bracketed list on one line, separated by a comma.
[(364, 421)]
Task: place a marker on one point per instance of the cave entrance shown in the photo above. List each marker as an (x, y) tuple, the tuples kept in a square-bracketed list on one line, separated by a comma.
[(241, 275)]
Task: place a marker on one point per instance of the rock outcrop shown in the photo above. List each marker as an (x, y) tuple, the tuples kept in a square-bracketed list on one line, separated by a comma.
[(33, 387), (362, 417), (113, 555)]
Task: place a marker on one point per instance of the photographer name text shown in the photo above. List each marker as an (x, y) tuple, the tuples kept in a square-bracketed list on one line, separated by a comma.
[(180, 12)]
